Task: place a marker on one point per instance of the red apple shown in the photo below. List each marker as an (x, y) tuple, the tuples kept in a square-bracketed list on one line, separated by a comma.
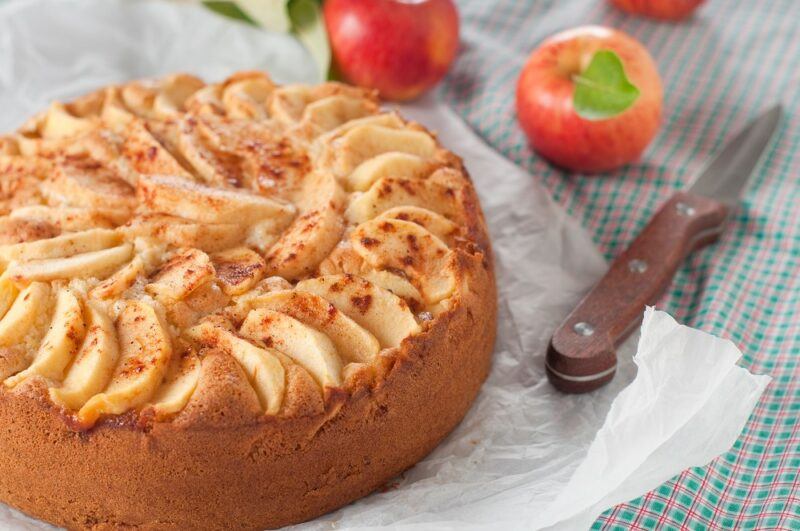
[(546, 110), (400, 47), (661, 9)]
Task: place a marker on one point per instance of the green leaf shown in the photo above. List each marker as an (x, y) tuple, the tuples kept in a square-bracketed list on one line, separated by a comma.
[(603, 90), (301, 17), (269, 14), (309, 26), (230, 10)]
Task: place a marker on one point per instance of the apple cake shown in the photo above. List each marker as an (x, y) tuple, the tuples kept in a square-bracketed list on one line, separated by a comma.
[(231, 305)]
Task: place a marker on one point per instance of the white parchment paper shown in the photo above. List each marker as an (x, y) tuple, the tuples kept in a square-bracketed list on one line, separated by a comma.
[(524, 457)]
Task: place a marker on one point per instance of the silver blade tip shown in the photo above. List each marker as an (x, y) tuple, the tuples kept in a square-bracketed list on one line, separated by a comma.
[(775, 113), (726, 175)]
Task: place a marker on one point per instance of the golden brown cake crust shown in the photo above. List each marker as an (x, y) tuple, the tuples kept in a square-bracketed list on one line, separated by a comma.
[(261, 474), (223, 462)]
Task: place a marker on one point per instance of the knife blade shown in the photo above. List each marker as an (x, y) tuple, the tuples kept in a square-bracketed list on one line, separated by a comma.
[(726, 175), (581, 356)]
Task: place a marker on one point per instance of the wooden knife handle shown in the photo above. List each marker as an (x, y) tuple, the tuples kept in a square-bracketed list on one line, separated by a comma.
[(581, 356)]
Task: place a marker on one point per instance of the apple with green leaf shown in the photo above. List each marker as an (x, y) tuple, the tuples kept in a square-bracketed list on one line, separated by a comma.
[(672, 10), (399, 47), (589, 99)]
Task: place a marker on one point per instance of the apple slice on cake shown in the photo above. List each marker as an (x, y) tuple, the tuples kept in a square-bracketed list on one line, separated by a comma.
[(407, 247), (263, 367), (67, 244), (380, 311), (145, 350), (31, 305), (390, 164), (60, 343), (97, 264), (352, 342), (311, 349), (179, 384), (209, 205)]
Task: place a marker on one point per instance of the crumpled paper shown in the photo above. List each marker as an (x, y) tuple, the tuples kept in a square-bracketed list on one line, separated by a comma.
[(681, 369), (525, 456)]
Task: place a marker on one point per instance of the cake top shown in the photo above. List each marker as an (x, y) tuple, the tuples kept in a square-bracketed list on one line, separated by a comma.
[(147, 228)]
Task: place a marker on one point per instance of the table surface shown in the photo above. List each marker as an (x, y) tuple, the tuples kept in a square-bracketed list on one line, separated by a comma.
[(720, 69)]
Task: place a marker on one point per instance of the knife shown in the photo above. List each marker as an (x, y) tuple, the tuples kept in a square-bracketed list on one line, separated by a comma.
[(581, 356)]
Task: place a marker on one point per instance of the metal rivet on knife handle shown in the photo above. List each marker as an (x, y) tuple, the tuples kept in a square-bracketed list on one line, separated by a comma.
[(637, 266), (583, 328), (685, 209)]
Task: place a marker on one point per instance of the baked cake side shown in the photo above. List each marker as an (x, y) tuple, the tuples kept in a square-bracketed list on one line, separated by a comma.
[(231, 305)]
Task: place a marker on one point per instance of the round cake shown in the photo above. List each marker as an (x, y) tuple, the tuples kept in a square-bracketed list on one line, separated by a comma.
[(231, 305)]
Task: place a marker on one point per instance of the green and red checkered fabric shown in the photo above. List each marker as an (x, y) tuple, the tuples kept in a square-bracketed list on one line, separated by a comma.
[(720, 69)]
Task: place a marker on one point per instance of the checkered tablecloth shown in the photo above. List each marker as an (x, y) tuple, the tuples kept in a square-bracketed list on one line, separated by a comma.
[(720, 69)]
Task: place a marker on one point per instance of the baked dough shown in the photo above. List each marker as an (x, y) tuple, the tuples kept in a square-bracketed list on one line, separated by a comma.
[(234, 305)]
